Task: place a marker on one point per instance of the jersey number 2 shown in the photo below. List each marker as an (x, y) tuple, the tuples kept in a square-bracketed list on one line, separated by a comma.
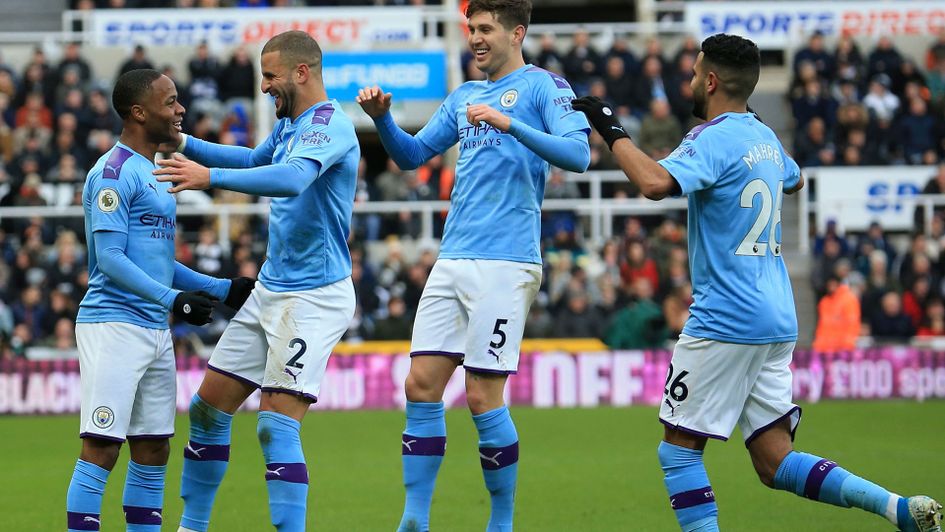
[(294, 361), (750, 244)]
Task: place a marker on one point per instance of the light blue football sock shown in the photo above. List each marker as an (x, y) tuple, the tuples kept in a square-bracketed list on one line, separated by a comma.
[(206, 458), (286, 474), (143, 499), (423, 444), (498, 455), (690, 493), (822, 480), (84, 498)]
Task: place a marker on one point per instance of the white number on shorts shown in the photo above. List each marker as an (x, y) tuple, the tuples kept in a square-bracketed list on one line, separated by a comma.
[(750, 245), (678, 389), (294, 361), (497, 330)]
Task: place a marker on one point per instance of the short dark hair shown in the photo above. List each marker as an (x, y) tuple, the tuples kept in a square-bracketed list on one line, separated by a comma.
[(509, 13), (296, 47), (131, 88), (735, 60)]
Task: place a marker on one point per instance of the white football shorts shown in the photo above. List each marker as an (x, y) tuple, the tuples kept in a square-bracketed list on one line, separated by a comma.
[(129, 381), (475, 310), (281, 341), (713, 385)]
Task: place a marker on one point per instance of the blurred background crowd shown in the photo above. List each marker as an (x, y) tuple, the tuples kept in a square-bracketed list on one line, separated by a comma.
[(850, 107)]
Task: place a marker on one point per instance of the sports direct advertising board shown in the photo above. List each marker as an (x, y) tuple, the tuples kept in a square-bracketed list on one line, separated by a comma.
[(776, 25), (332, 27), (545, 379)]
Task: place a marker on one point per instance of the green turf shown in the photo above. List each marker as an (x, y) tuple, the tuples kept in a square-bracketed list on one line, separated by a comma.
[(580, 470)]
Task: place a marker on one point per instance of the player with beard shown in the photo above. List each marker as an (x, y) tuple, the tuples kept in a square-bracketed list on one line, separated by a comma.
[(126, 356), (281, 339), (732, 362)]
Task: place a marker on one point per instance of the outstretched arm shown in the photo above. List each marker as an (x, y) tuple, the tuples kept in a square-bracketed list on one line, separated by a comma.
[(275, 180), (403, 148), (570, 152), (224, 156), (654, 181), (189, 280)]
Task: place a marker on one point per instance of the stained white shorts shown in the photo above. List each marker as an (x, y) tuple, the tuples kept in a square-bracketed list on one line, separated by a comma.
[(713, 385), (281, 341), (475, 310), (129, 381)]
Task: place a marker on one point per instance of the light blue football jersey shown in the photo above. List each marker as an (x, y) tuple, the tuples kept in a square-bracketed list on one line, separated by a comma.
[(121, 194), (495, 206), (734, 171), (308, 233)]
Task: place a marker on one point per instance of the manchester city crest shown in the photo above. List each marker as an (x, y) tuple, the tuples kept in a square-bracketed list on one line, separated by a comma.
[(509, 98), (103, 417)]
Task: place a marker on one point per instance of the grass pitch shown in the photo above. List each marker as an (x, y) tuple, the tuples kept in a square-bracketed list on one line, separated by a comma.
[(580, 470)]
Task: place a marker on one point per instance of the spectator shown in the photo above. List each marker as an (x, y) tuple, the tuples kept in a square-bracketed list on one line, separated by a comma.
[(848, 61), (208, 252), (538, 324), (838, 318), (915, 300), (816, 54), (934, 322), (617, 82), (813, 148), (916, 132), (813, 103), (621, 48), (882, 103), (72, 61), (641, 324), (936, 51), (30, 311), (204, 70), (889, 322), (578, 319), (884, 59), (676, 309), (660, 132), (396, 325), (582, 62), (548, 57), (689, 49), (909, 75), (824, 266), (638, 265), (650, 85), (237, 79), (138, 60), (101, 115)]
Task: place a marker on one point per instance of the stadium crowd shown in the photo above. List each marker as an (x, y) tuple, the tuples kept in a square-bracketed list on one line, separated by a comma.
[(634, 292)]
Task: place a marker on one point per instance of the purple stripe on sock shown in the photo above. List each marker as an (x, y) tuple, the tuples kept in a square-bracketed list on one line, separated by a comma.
[(203, 452), (816, 478), (437, 353), (688, 499), (493, 458), (138, 515), (244, 380), (81, 521), (296, 473), (417, 446), (297, 393)]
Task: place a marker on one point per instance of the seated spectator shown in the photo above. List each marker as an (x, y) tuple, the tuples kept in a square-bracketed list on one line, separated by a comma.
[(934, 322), (880, 101), (396, 325), (30, 311), (908, 75), (848, 61), (813, 103), (824, 266), (237, 79), (817, 55), (660, 132), (637, 265), (915, 300), (582, 62), (548, 57), (617, 84), (813, 148), (138, 60), (578, 319), (838, 318), (889, 322), (916, 132), (621, 48), (650, 85), (884, 59), (641, 324)]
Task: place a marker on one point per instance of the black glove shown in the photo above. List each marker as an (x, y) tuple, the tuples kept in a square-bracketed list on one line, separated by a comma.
[(602, 117), (240, 288), (194, 307)]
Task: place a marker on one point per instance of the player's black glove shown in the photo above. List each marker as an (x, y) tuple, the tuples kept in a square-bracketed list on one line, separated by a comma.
[(194, 307), (240, 288), (602, 117)]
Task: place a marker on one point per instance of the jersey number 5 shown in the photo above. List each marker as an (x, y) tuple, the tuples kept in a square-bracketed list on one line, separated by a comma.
[(768, 216)]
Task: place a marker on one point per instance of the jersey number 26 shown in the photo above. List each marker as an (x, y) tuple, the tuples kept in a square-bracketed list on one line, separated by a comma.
[(768, 216)]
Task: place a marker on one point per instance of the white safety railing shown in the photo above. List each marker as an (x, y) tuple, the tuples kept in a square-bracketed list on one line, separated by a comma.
[(599, 212)]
